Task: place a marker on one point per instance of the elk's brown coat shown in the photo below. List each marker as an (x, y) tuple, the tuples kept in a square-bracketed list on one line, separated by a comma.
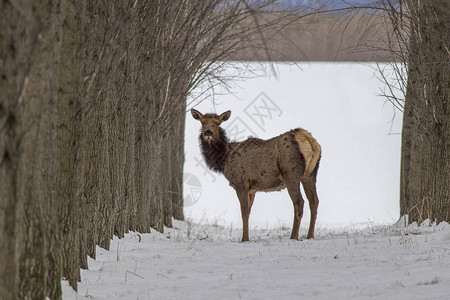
[(257, 165)]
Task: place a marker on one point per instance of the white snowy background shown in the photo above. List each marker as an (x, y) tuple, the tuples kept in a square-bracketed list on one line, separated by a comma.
[(339, 104), (360, 252)]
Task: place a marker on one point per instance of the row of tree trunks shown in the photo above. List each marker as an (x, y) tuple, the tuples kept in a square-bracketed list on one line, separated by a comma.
[(425, 169), (86, 147)]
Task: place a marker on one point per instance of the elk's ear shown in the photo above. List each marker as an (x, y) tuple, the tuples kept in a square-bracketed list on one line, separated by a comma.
[(196, 114), (225, 116)]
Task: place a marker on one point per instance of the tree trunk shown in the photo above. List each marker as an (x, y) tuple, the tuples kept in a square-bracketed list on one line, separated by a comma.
[(11, 84), (37, 252), (92, 114), (425, 166), (177, 164)]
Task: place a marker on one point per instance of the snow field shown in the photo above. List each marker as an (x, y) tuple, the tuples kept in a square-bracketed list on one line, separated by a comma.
[(193, 261), (339, 104), (357, 181)]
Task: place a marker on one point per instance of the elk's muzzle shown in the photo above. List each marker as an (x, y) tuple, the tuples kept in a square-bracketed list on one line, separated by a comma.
[(208, 135)]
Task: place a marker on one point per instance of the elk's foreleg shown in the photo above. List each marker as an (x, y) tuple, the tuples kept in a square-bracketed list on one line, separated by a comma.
[(244, 199), (251, 198)]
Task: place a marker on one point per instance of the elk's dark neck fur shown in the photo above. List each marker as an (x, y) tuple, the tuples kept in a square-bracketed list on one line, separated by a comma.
[(216, 152)]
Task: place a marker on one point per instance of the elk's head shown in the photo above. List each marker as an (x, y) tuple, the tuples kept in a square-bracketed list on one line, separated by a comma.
[(210, 124)]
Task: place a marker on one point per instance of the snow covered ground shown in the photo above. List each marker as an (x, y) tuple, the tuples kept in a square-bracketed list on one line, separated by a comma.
[(193, 261), (358, 181)]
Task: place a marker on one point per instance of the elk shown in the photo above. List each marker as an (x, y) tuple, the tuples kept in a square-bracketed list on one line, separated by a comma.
[(257, 165)]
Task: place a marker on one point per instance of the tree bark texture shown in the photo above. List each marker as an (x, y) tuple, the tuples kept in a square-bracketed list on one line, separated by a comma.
[(91, 134), (425, 164)]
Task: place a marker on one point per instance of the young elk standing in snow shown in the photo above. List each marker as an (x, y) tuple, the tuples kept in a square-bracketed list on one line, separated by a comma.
[(256, 165)]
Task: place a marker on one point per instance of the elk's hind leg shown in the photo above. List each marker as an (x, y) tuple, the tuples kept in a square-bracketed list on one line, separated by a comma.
[(297, 199), (309, 185)]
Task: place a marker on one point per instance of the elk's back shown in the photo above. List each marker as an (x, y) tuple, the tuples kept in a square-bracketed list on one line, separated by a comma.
[(258, 165)]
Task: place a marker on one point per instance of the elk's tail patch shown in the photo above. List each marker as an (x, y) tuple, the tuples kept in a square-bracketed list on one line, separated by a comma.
[(310, 149)]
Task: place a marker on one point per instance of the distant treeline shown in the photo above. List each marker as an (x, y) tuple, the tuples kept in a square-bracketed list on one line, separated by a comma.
[(323, 37)]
